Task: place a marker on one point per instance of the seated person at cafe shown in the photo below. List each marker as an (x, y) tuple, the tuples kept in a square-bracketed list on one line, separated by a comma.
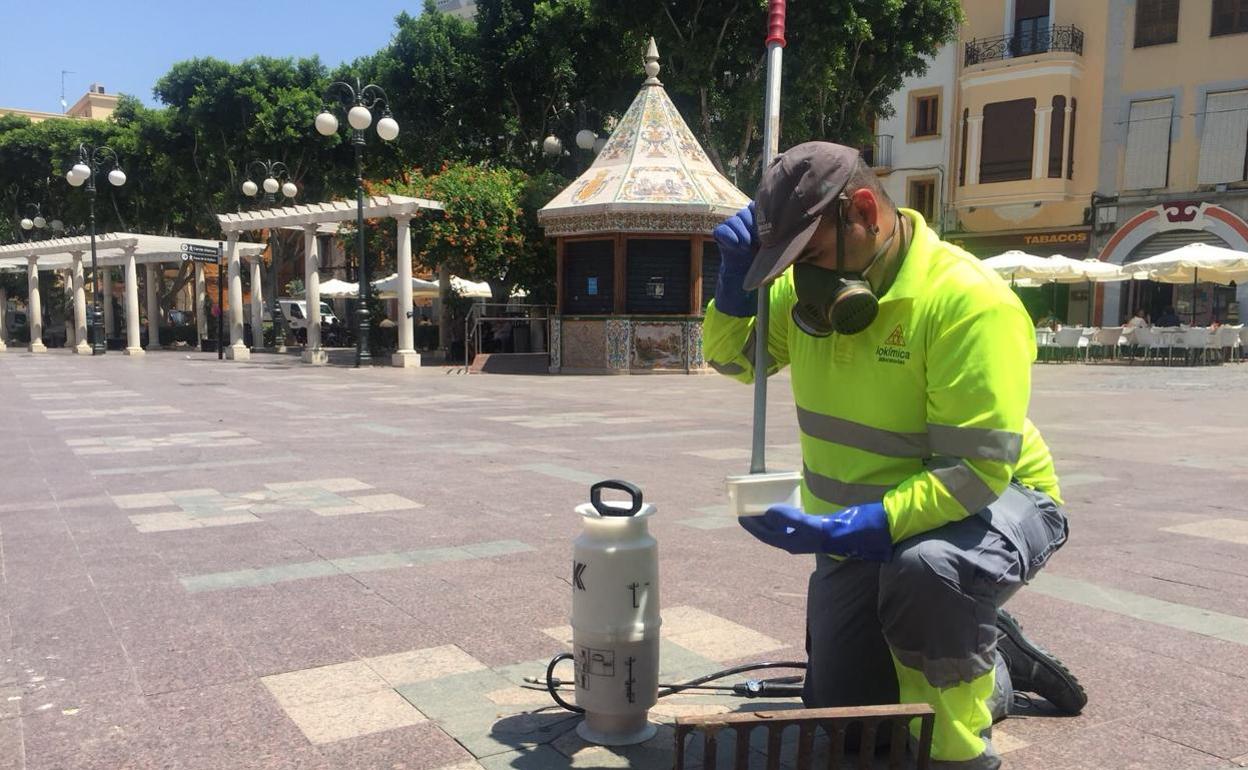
[(1168, 318), (1049, 320), (1139, 320)]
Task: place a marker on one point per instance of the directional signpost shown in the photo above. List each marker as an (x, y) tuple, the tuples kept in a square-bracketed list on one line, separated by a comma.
[(194, 253)]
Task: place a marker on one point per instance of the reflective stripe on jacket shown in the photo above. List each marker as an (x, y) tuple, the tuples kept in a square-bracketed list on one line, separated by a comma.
[(926, 409)]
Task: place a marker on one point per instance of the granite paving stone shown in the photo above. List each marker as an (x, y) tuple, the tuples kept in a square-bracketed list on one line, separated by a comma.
[(419, 746), (418, 536)]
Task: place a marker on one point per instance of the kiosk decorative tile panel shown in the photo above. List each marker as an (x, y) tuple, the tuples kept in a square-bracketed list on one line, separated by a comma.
[(556, 344), (693, 343), (618, 332), (584, 345), (659, 345)]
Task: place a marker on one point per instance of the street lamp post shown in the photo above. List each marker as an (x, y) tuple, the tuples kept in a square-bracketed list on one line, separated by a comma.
[(586, 140), (274, 176), (90, 159), (34, 223), (358, 101)]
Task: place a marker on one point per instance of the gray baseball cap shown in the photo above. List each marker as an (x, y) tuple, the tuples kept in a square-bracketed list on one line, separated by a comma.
[(797, 188)]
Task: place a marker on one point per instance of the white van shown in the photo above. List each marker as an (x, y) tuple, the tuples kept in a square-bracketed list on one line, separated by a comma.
[(296, 312)]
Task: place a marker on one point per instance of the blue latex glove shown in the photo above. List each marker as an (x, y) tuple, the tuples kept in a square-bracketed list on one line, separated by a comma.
[(737, 238), (859, 532)]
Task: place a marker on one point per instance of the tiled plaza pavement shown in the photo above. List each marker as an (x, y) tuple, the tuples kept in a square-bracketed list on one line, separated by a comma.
[(244, 565)]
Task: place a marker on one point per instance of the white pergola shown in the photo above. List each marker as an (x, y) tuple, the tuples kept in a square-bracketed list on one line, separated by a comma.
[(311, 218), (112, 249)]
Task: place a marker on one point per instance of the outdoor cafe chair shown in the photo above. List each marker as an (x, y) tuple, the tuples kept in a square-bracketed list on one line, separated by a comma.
[(1226, 340), (1072, 339), (1044, 342), (1148, 342), (1195, 344), (1106, 342)]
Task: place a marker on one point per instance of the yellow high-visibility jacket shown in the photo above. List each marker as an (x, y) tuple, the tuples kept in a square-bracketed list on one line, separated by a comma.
[(925, 410)]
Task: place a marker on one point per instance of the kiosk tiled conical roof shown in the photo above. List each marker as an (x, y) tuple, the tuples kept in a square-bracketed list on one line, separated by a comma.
[(651, 176)]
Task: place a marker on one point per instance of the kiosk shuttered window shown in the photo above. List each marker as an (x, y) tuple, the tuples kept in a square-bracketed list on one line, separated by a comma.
[(588, 277), (658, 276)]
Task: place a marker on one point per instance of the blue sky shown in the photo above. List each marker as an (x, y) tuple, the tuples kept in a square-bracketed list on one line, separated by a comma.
[(127, 45)]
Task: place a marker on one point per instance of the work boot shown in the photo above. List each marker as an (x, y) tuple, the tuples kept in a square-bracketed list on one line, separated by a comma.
[(1034, 669)]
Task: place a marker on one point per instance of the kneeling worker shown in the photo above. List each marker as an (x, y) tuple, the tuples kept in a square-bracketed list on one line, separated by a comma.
[(928, 497)]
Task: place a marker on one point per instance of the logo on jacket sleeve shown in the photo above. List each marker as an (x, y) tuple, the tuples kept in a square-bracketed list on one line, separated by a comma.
[(893, 351)]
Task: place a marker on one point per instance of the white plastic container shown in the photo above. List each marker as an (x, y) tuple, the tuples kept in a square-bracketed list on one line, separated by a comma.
[(753, 493), (615, 618)]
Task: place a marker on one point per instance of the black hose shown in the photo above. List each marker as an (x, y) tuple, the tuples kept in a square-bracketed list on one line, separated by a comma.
[(731, 671), (552, 684)]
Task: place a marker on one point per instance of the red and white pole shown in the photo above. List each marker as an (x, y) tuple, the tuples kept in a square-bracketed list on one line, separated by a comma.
[(771, 143), (771, 105)]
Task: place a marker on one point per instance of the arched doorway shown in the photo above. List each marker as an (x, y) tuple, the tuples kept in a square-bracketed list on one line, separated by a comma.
[(1191, 221), (1167, 299)]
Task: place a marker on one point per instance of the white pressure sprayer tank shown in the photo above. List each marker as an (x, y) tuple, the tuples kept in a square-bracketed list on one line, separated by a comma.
[(615, 618)]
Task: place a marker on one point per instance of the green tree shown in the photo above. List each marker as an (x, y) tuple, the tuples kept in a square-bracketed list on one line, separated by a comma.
[(843, 60), (432, 74), (481, 231), (553, 66)]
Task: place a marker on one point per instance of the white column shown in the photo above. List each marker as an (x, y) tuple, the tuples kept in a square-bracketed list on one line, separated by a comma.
[(312, 352), (105, 287), (153, 309), (1113, 298), (406, 355), (444, 309), (1040, 144), (67, 287), (257, 302), (133, 345), (974, 130), (34, 308), (201, 299), (80, 308), (237, 351), (1067, 141), (4, 318)]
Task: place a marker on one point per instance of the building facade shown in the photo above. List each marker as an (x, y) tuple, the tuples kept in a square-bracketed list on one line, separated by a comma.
[(95, 104), (1113, 129), (1174, 140), (911, 152), (465, 9)]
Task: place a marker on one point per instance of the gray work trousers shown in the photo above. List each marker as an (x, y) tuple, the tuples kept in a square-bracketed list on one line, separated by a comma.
[(933, 605)]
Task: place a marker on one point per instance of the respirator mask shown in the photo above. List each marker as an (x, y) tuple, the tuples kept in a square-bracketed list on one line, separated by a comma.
[(837, 300)]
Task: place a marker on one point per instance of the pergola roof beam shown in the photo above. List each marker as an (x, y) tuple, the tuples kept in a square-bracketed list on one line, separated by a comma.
[(304, 214)]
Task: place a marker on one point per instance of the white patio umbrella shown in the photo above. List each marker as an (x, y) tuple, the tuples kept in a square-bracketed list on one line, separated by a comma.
[(471, 289), (1015, 265), (388, 287), (1067, 270), (1194, 262), (336, 289), (1024, 270)]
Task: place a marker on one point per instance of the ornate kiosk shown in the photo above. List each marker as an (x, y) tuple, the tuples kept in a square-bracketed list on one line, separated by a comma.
[(636, 261)]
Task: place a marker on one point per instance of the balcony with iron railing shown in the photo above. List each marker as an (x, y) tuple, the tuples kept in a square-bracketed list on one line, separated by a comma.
[(879, 154), (1067, 38)]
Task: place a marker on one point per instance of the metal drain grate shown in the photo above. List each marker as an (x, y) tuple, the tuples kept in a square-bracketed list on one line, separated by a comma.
[(835, 723)]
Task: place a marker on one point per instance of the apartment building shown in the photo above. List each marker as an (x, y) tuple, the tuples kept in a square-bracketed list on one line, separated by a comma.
[(1173, 147), (911, 152), (95, 104), (1114, 129)]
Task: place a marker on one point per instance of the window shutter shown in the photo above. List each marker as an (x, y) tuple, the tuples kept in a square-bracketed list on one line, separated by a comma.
[(1148, 145), (1225, 141), (1009, 134)]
